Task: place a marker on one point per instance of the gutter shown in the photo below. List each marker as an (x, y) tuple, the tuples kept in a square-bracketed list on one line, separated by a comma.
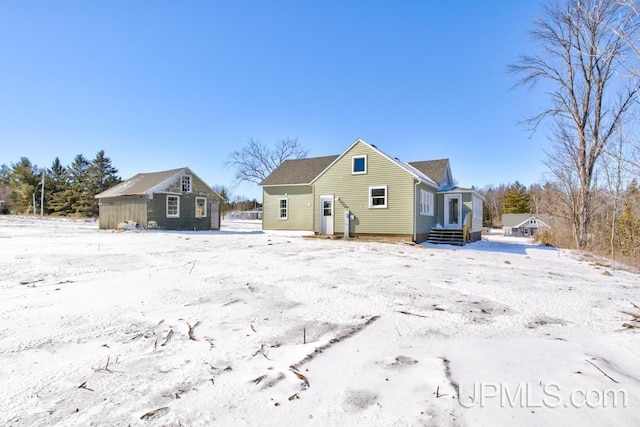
[(415, 217)]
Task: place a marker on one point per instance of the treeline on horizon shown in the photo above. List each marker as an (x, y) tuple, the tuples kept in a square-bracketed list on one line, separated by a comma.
[(68, 190)]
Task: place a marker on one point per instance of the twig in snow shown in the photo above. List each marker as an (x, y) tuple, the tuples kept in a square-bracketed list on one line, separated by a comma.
[(603, 372), (191, 328), (635, 306), (84, 386), (193, 265), (166, 340), (412, 314), (304, 335), (156, 413), (305, 381), (29, 282), (252, 328)]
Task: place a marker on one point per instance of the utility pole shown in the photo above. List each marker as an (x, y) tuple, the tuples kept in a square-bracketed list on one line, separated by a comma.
[(42, 196)]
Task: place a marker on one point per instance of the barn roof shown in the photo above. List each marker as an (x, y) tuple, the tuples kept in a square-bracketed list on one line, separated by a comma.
[(142, 183)]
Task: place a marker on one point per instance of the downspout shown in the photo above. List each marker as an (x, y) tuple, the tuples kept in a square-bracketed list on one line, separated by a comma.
[(415, 217)]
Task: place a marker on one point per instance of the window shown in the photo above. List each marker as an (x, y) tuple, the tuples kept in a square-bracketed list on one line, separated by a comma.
[(283, 209), (426, 203), (173, 207), (201, 207), (359, 164), (477, 207), (378, 197), (186, 184)]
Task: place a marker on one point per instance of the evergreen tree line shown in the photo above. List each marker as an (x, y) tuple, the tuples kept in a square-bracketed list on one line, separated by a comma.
[(614, 223), (68, 190)]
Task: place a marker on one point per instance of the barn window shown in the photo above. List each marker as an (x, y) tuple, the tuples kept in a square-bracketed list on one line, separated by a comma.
[(173, 207), (201, 207), (186, 184)]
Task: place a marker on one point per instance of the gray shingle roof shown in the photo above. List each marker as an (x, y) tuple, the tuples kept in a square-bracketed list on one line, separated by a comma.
[(139, 184), (299, 171), (434, 169)]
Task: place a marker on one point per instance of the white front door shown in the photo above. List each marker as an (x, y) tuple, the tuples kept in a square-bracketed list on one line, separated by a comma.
[(326, 214), (453, 211)]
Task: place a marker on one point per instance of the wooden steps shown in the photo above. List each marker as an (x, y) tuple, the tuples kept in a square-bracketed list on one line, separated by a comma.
[(446, 236)]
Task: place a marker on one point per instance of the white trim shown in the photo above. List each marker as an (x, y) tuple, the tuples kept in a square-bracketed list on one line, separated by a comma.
[(353, 164), (286, 209), (177, 215), (205, 207), (386, 197)]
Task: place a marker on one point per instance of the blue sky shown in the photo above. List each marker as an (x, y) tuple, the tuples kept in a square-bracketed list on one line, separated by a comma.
[(160, 85)]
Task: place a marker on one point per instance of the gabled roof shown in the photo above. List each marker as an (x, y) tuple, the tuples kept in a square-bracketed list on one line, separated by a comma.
[(517, 220), (145, 183), (434, 169), (298, 171), (420, 176)]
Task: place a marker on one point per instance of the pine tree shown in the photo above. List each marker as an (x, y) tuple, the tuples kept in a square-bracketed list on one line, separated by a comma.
[(102, 176), (78, 193), (517, 199), (23, 179), (56, 184)]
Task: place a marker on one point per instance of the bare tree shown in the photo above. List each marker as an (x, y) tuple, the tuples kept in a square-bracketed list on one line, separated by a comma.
[(255, 161), (582, 52)]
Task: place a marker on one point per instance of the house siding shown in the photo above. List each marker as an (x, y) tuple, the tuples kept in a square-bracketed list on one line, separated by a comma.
[(300, 208), (121, 209), (424, 223), (353, 191)]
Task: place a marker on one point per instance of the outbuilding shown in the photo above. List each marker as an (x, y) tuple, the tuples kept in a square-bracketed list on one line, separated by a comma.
[(175, 199)]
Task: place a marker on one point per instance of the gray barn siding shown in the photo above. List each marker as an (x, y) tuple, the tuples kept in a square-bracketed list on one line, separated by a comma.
[(157, 211), (121, 209)]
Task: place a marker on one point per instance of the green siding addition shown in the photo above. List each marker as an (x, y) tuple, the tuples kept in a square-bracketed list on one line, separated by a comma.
[(299, 205)]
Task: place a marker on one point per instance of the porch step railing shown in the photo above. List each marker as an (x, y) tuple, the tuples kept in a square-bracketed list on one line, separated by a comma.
[(446, 236)]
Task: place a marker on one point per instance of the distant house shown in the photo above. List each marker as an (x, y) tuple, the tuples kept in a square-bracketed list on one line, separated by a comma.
[(365, 192), (170, 200), (525, 225)]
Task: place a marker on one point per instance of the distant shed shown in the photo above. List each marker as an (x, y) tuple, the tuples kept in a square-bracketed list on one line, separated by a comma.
[(175, 199)]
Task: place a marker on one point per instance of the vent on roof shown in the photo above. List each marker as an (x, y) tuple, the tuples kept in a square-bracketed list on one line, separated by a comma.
[(373, 146)]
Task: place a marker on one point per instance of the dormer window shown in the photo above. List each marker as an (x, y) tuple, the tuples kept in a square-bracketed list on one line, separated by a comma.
[(186, 184), (359, 164)]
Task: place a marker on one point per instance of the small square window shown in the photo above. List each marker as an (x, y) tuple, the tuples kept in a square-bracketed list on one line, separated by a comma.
[(359, 164), (378, 197)]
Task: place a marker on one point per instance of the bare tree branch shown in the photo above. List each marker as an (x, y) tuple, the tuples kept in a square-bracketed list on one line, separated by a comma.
[(583, 49), (255, 160)]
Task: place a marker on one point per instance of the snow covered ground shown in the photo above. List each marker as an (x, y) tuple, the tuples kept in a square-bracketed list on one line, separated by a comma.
[(245, 327)]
